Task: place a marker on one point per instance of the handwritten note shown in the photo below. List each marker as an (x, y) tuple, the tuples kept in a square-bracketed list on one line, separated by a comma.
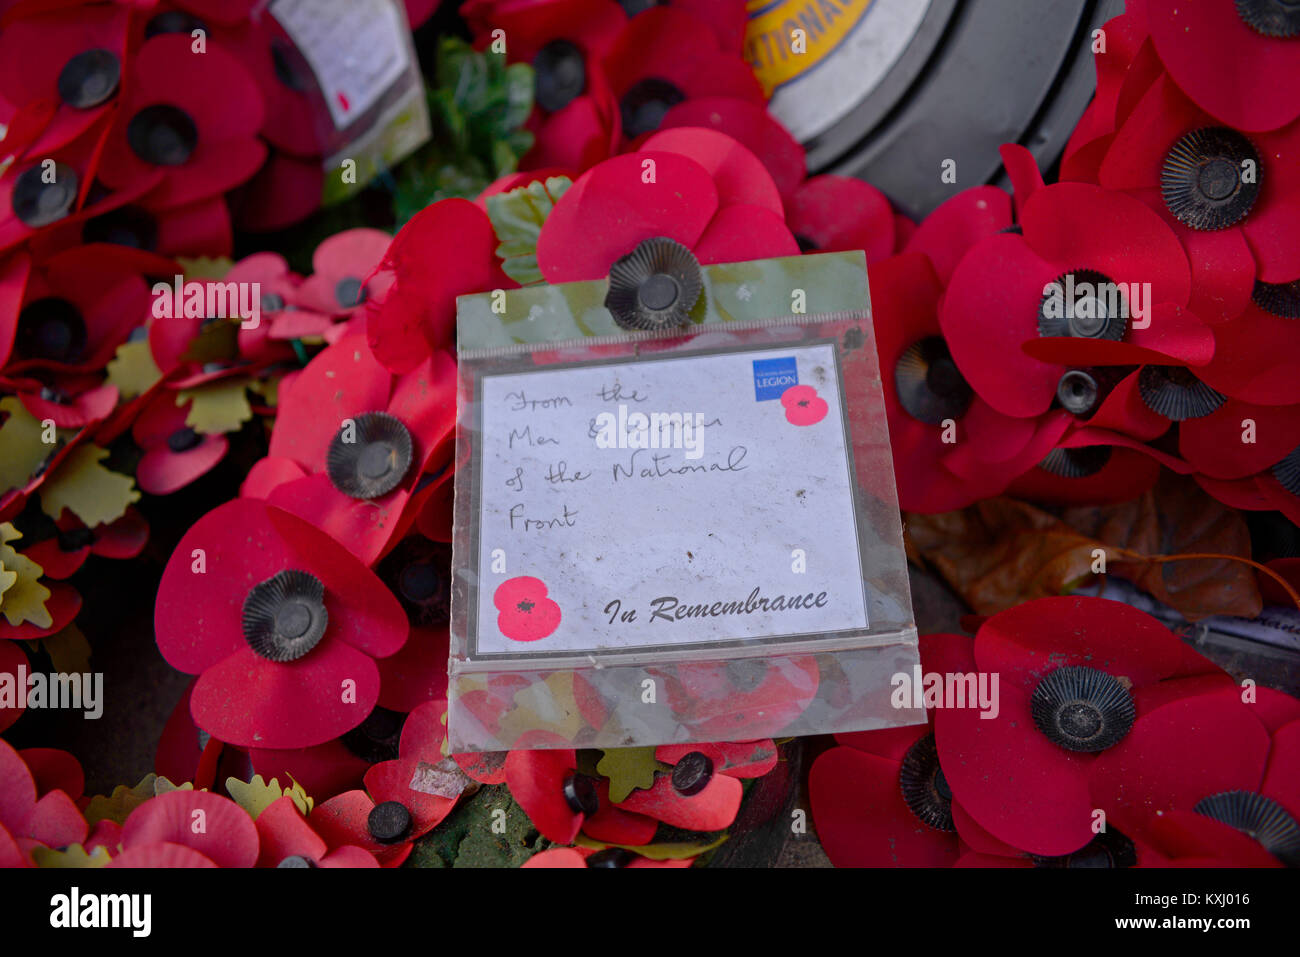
[(663, 502)]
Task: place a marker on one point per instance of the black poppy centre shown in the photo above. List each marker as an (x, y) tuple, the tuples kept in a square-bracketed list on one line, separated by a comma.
[(580, 795), (655, 286), (930, 387), (1258, 817), (1272, 18), (925, 790), (559, 75), (51, 329), (42, 195), (89, 79), (1176, 393), (163, 135), (1076, 463), (285, 617), (1210, 178), (370, 455), (1083, 304), (646, 103), (1082, 709)]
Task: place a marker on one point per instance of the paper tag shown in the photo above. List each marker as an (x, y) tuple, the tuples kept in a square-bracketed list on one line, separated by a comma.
[(666, 502), (356, 48)]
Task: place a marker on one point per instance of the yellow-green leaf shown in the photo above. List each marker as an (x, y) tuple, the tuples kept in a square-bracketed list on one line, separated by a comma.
[(205, 267), (69, 650), (73, 856), (133, 370), (668, 851), (629, 769), (118, 805), (23, 599), (93, 493), (257, 795), (216, 408), (162, 785), (22, 449)]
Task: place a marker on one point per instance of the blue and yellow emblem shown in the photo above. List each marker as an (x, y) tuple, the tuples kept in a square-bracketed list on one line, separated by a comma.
[(770, 35)]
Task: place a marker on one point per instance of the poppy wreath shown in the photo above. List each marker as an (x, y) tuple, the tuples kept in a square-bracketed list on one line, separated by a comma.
[(1067, 343)]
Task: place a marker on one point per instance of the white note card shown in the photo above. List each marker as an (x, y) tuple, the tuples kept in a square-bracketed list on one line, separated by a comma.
[(665, 502)]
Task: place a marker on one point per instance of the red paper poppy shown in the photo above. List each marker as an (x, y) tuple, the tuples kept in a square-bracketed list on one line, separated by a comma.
[(880, 799), (525, 613), (701, 791), (53, 192), (1240, 439), (1092, 467), (749, 124), (1073, 674), (34, 810), (62, 547), (194, 117), (174, 454), (548, 786), (1252, 358), (1240, 73), (425, 781), (287, 840), (924, 390), (323, 770), (78, 307), (186, 753), (364, 437), (342, 266), (162, 854), (63, 602), (446, 250), (285, 191), (353, 819), (596, 857), (299, 669), (957, 224), (72, 64), (213, 825), (612, 207), (1077, 239), (530, 25), (282, 74), (1166, 132), (69, 400), (576, 121), (666, 56), (12, 657), (1211, 754), (832, 213)]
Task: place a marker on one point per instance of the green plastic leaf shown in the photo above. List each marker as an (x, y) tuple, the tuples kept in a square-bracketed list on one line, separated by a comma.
[(668, 851), (23, 599), (74, 856), (93, 493), (517, 218), (22, 449), (118, 805), (629, 769), (216, 408), (477, 110), (132, 369), (257, 795)]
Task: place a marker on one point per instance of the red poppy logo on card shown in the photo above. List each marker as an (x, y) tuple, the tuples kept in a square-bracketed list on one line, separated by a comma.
[(803, 406), (526, 614)]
